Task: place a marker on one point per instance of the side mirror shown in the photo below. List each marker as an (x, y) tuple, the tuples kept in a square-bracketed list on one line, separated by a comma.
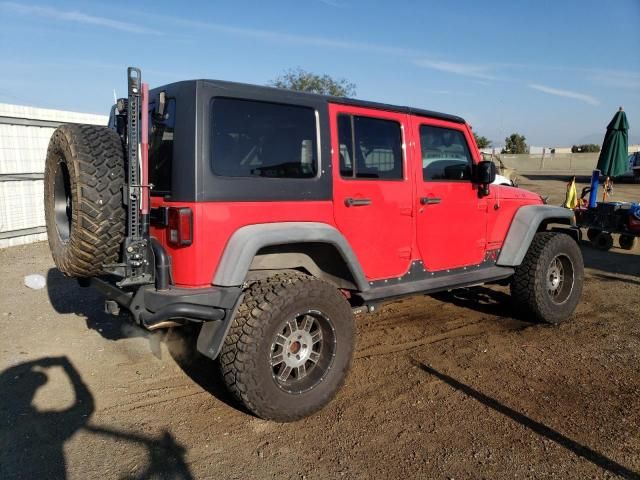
[(485, 175)]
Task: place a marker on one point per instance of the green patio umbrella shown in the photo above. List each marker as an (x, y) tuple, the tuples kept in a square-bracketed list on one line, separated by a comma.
[(612, 161)]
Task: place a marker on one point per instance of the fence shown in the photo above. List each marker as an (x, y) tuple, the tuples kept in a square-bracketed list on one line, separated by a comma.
[(569, 163), (24, 136)]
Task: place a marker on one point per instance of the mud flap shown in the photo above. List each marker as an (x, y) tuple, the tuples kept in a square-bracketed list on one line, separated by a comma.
[(212, 334)]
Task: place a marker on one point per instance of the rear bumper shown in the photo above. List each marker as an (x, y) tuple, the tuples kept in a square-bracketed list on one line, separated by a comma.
[(149, 306), (155, 302), (213, 307)]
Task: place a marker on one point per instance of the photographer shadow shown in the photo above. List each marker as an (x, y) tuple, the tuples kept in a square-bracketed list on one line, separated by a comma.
[(32, 440), (66, 297)]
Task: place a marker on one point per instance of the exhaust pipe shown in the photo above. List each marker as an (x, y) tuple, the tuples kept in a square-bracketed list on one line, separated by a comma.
[(182, 313)]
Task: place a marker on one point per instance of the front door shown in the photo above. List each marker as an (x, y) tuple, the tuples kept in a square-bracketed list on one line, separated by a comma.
[(452, 217), (372, 188)]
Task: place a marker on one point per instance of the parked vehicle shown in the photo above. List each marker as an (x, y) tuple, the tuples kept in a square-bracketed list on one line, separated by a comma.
[(633, 172), (504, 175), (270, 217), (502, 180), (607, 218)]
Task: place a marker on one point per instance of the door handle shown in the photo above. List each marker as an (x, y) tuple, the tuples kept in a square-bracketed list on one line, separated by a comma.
[(429, 200), (357, 202)]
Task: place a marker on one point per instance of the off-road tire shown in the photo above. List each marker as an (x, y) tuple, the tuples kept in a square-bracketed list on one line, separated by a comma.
[(627, 242), (245, 358), (529, 285), (85, 169), (603, 241)]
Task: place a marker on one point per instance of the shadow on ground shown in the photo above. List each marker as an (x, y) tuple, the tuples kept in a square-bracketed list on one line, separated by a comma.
[(563, 177), (493, 302), (566, 177), (613, 261), (32, 440), (611, 278), (181, 343), (537, 427), (483, 300), (66, 296)]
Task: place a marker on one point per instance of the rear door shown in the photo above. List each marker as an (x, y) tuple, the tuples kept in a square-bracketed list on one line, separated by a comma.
[(373, 187), (451, 222)]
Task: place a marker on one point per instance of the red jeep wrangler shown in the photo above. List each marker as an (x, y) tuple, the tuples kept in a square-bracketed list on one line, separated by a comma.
[(270, 216)]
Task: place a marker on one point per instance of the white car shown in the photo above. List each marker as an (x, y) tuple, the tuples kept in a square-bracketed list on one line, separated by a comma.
[(501, 180)]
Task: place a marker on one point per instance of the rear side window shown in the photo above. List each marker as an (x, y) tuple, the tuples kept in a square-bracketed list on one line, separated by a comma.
[(161, 134), (445, 154), (370, 148), (261, 139)]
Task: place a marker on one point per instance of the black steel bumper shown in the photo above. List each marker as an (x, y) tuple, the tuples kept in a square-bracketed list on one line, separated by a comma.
[(214, 307), (150, 306)]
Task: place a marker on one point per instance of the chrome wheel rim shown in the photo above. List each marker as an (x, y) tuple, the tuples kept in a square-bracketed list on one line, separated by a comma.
[(560, 279), (302, 351)]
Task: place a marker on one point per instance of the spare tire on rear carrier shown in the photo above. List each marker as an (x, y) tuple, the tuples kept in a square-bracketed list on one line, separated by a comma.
[(83, 204)]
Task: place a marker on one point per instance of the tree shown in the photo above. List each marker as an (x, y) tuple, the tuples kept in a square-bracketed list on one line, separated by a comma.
[(482, 142), (515, 143), (299, 79), (586, 148)]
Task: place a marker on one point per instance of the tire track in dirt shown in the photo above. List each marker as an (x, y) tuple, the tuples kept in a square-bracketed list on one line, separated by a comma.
[(470, 330), (149, 402)]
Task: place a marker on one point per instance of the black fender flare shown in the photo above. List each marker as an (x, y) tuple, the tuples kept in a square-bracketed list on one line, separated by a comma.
[(525, 224), (248, 240), (239, 253)]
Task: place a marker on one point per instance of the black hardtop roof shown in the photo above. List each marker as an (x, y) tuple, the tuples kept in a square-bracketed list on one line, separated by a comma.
[(293, 95)]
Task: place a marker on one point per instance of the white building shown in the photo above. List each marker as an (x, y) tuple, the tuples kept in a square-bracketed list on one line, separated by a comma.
[(24, 137)]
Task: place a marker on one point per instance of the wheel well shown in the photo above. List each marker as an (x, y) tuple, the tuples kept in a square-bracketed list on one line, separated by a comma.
[(549, 223), (560, 225), (321, 260)]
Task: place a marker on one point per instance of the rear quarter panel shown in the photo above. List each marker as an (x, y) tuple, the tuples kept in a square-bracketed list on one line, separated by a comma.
[(215, 222)]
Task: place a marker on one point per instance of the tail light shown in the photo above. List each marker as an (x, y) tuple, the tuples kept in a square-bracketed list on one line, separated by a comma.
[(180, 227)]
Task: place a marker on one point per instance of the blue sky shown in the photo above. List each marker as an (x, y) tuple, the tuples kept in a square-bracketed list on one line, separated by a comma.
[(555, 71)]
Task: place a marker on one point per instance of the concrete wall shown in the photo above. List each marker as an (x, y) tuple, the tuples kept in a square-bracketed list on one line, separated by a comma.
[(24, 137), (578, 163)]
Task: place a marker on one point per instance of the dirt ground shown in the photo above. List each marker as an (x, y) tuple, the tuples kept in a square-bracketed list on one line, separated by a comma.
[(452, 386)]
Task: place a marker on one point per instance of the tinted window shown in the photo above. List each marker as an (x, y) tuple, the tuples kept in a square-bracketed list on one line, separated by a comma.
[(260, 139), (445, 154), (370, 148), (345, 136), (161, 148)]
